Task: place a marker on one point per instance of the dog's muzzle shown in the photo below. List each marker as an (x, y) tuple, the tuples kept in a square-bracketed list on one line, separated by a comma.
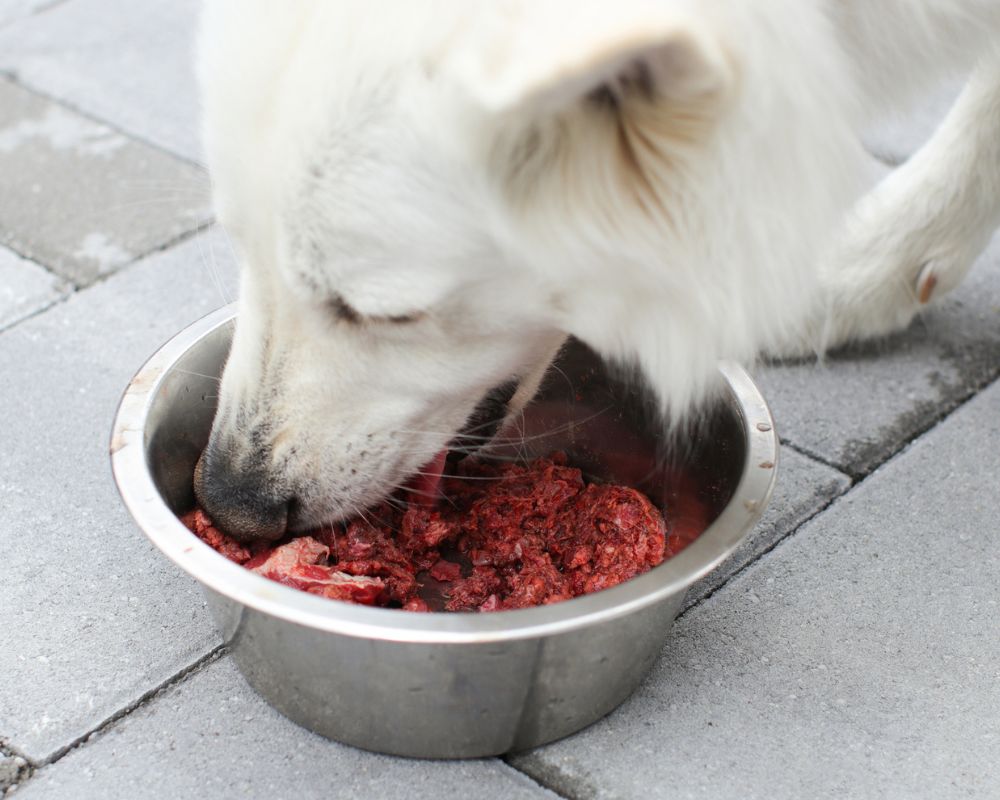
[(243, 498), (241, 502)]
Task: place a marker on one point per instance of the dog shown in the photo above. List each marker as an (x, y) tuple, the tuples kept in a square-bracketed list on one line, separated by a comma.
[(427, 198)]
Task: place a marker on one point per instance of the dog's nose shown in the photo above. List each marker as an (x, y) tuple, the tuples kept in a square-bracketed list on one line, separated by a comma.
[(240, 502)]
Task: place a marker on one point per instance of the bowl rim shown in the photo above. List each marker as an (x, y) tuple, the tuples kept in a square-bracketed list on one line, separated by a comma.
[(155, 519)]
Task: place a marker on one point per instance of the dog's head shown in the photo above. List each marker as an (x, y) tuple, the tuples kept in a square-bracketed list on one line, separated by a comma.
[(426, 198)]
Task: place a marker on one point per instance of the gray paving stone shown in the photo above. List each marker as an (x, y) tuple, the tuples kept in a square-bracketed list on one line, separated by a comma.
[(25, 288), (82, 199), (92, 616), (212, 736), (898, 136), (863, 404), (803, 488), (860, 659), (129, 64)]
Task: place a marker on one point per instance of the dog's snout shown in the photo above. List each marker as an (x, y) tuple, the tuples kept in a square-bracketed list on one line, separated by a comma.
[(242, 502)]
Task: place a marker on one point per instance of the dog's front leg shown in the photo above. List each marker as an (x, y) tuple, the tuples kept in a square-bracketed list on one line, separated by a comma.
[(914, 237)]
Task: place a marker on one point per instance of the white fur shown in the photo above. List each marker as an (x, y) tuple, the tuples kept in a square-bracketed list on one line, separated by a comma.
[(449, 161)]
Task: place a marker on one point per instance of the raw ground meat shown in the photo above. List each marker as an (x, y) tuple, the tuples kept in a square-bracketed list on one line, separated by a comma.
[(504, 536)]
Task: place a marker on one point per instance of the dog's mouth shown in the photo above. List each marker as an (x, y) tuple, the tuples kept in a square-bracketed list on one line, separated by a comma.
[(481, 428), (425, 486)]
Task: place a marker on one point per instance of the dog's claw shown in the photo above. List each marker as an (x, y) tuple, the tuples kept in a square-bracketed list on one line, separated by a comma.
[(926, 284)]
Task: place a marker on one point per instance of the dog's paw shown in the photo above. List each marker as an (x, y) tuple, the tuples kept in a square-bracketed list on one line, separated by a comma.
[(902, 249), (911, 240)]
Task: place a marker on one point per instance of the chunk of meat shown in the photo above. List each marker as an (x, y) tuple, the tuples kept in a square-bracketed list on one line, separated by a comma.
[(513, 536), (445, 570), (298, 564), (199, 523)]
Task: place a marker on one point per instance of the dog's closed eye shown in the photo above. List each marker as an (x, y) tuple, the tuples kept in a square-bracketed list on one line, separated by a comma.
[(345, 312)]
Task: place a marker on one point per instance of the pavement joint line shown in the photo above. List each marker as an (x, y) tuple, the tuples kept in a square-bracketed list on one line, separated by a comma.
[(856, 483), (150, 695), (26, 257), (14, 77), (942, 416), (178, 677), (781, 540), (77, 289), (807, 453), (538, 782), (41, 309), (176, 241), (941, 413), (198, 228)]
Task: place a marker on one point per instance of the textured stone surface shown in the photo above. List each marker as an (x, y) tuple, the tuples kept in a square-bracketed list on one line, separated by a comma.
[(861, 405), (127, 63), (82, 199), (861, 658), (802, 489), (92, 616), (212, 736), (25, 288)]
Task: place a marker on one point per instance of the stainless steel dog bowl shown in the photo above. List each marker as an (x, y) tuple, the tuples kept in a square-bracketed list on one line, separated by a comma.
[(444, 685)]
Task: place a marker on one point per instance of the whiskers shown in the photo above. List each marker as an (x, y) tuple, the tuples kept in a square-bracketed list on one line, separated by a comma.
[(207, 256), (214, 378), (492, 447)]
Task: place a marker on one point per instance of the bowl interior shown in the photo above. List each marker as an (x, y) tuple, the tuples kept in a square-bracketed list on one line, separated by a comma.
[(602, 421)]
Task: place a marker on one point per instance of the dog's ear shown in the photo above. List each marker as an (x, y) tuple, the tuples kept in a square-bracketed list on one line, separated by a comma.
[(536, 56)]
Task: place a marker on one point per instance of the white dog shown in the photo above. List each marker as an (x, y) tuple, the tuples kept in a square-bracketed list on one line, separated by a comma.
[(427, 197)]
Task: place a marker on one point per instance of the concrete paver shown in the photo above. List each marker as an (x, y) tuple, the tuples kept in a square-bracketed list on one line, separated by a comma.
[(861, 405), (127, 63), (861, 658), (82, 199), (25, 288), (212, 736), (92, 616), (803, 488)]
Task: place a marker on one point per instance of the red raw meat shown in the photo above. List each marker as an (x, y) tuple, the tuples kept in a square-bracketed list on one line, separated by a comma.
[(445, 571), (200, 525), (516, 536), (298, 564)]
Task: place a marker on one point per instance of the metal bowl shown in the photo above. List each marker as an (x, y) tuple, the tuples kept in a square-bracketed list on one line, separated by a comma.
[(445, 685)]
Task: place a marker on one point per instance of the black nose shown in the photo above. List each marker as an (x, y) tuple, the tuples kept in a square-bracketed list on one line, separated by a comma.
[(242, 502)]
